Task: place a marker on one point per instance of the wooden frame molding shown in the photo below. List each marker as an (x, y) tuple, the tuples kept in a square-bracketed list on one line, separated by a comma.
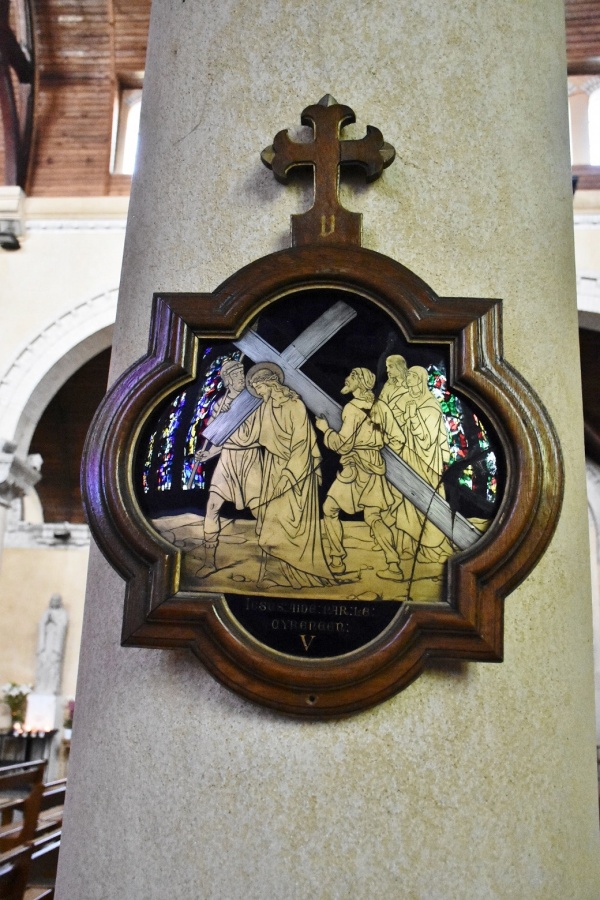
[(467, 624)]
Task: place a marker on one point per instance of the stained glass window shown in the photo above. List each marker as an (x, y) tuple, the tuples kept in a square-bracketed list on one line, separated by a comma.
[(210, 391), (478, 465), (168, 458), (147, 471), (164, 473), (452, 410)]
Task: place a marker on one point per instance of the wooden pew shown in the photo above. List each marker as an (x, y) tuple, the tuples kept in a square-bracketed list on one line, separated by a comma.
[(34, 893), (14, 870), (16, 833), (34, 771), (28, 872), (43, 866), (52, 806), (15, 784), (21, 791), (36, 767), (32, 815)]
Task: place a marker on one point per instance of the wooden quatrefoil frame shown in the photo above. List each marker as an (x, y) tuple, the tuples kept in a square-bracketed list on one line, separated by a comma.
[(468, 622)]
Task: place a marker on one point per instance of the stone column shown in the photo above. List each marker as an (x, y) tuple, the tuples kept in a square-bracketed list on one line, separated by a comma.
[(478, 780)]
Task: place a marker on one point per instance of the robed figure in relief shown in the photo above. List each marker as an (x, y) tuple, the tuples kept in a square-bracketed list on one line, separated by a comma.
[(237, 476), (394, 391), (427, 452), (288, 525), (360, 486)]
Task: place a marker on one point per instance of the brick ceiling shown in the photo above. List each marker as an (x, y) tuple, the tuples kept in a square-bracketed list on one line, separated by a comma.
[(84, 50), (583, 36)]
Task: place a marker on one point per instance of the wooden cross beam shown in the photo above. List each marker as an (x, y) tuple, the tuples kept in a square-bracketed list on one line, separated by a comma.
[(326, 154), (455, 526), (295, 355)]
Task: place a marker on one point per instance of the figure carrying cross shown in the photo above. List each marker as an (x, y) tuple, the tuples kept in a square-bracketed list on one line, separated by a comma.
[(401, 475)]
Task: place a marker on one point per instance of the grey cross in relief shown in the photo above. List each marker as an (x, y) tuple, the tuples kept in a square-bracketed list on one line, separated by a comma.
[(455, 526)]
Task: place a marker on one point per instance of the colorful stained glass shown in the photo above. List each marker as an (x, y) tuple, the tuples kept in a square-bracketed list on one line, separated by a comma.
[(210, 392), (452, 410), (489, 462), (148, 464), (483, 466), (164, 473)]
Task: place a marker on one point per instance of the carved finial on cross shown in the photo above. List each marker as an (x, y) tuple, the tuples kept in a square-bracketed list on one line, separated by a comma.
[(328, 220)]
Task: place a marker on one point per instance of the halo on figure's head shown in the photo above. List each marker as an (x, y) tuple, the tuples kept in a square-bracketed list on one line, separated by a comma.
[(263, 372)]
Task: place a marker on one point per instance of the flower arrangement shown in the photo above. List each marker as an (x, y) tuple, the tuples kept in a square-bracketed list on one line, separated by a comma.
[(15, 695)]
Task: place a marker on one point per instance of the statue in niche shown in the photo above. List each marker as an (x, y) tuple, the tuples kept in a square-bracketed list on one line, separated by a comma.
[(52, 631)]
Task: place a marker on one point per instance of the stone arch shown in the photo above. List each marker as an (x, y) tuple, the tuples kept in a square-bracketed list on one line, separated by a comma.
[(44, 364)]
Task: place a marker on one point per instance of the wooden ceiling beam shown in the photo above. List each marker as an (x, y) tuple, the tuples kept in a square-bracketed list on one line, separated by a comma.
[(97, 43)]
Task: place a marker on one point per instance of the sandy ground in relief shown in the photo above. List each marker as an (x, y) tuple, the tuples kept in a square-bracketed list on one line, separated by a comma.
[(238, 564)]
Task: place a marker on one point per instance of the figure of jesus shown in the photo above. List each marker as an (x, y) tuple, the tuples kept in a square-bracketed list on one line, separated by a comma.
[(289, 525), (388, 410)]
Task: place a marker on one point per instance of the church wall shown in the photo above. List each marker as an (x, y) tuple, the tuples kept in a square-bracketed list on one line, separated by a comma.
[(478, 780), (27, 580), (69, 255)]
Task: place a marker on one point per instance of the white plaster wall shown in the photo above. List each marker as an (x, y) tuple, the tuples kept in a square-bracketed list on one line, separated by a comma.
[(27, 580), (71, 253), (56, 292), (478, 780), (587, 248), (52, 272)]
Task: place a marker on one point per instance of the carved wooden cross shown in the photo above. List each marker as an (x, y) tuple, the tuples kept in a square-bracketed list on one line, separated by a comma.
[(327, 153)]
